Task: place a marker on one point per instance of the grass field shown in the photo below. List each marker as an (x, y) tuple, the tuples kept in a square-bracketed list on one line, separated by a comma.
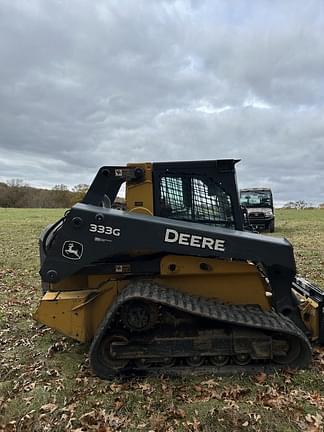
[(46, 383)]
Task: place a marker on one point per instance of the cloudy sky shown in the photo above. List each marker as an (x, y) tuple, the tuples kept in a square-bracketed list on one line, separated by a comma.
[(85, 83)]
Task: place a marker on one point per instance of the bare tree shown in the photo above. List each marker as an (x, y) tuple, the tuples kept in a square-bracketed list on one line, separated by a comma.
[(79, 192)]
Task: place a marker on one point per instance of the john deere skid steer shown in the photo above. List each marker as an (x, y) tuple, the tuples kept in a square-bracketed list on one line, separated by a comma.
[(174, 284)]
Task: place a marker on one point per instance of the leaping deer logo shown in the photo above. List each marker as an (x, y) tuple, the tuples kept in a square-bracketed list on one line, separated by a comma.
[(72, 250)]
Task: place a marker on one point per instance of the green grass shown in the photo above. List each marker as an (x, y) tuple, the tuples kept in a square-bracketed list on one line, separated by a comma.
[(58, 392), (305, 230)]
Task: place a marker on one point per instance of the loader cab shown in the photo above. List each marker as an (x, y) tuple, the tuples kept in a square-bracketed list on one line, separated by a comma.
[(203, 192)]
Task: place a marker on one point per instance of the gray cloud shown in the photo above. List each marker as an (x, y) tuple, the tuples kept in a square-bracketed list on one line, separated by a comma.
[(86, 83)]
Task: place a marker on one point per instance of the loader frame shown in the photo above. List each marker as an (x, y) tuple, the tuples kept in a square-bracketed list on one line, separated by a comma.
[(180, 245)]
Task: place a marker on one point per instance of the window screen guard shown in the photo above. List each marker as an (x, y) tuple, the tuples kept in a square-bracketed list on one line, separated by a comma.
[(195, 198)]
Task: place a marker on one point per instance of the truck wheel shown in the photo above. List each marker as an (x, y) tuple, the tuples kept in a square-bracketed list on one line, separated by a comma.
[(272, 226)]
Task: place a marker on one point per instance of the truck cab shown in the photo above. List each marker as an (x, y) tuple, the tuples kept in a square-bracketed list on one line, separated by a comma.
[(259, 205)]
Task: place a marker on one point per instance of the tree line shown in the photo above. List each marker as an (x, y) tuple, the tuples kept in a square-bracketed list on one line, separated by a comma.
[(301, 204), (16, 193)]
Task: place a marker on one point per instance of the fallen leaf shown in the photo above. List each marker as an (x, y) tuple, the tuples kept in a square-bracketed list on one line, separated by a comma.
[(261, 377), (50, 407)]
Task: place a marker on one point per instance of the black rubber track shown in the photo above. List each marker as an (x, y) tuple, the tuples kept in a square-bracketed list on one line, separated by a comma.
[(246, 316)]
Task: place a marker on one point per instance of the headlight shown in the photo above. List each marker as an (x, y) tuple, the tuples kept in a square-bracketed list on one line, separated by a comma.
[(268, 212)]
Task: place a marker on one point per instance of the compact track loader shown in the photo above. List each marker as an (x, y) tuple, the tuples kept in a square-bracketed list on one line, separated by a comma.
[(173, 284)]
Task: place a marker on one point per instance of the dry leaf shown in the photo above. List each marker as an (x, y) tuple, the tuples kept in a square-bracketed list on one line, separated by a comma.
[(50, 407), (261, 377)]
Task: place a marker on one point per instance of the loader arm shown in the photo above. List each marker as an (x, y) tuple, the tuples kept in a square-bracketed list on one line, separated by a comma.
[(130, 233)]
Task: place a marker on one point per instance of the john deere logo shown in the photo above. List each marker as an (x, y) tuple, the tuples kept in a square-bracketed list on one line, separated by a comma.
[(72, 250)]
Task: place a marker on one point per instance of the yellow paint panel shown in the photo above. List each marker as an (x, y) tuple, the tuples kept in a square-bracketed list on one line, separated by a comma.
[(56, 311), (139, 195), (173, 265), (76, 313), (232, 282)]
